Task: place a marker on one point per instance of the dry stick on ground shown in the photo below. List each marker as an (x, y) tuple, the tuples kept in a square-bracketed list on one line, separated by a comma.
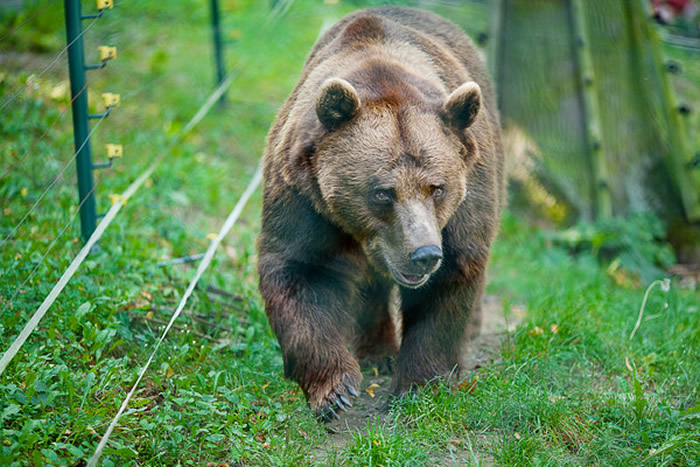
[(224, 304), (215, 301), (195, 316), (174, 326), (211, 289)]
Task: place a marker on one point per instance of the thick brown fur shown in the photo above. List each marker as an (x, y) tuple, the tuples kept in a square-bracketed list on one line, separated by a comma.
[(389, 142)]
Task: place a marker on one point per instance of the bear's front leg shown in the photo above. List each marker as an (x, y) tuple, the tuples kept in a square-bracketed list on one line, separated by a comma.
[(308, 308), (438, 320)]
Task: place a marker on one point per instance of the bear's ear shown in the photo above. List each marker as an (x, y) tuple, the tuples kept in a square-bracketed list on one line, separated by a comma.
[(462, 106), (337, 103)]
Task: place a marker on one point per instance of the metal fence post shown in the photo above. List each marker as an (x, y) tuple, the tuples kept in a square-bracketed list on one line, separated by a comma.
[(76, 68), (602, 200), (218, 47)]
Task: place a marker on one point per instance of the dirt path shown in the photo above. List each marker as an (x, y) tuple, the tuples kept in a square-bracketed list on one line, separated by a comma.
[(482, 351)]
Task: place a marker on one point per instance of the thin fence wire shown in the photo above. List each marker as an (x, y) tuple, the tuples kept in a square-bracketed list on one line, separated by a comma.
[(65, 109), (203, 265), (67, 275), (53, 62), (228, 224), (8, 34), (58, 287), (53, 242), (53, 182), (124, 98)]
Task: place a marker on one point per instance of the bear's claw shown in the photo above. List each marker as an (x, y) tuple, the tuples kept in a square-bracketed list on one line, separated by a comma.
[(339, 403), (338, 399), (329, 411)]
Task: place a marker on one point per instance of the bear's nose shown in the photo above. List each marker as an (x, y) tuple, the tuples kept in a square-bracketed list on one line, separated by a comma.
[(426, 257)]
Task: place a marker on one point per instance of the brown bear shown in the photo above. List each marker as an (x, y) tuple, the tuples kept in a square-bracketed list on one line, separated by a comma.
[(383, 170)]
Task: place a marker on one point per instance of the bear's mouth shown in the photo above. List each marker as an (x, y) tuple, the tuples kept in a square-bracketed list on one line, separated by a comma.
[(409, 280)]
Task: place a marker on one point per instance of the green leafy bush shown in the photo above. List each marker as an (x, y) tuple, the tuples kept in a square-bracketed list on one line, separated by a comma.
[(637, 244)]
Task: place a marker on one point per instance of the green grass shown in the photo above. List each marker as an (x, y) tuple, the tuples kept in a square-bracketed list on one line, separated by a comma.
[(216, 393)]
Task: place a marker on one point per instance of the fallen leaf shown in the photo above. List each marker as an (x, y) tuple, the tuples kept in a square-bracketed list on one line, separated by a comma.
[(370, 389), (536, 331), (468, 386), (231, 253)]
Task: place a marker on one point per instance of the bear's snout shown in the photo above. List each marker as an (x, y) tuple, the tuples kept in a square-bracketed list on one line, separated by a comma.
[(426, 257)]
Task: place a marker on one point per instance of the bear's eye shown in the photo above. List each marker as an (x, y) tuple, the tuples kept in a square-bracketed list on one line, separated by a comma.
[(438, 192), (382, 196)]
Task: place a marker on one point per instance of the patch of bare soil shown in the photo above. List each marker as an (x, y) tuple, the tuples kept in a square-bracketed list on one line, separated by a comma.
[(482, 351)]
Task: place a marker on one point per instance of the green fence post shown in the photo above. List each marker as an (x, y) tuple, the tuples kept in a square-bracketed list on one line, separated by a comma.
[(679, 159), (589, 88), (76, 68), (218, 47), (496, 17)]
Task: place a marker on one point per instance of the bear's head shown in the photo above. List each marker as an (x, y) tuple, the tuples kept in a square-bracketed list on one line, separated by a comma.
[(391, 169)]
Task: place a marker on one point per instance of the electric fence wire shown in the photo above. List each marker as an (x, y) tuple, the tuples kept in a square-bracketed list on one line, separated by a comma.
[(53, 62), (36, 203), (126, 97), (203, 265), (104, 223), (58, 177), (53, 242), (123, 98), (8, 34), (19, 161), (51, 297)]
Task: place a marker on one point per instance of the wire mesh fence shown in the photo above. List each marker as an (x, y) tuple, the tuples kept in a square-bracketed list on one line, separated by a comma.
[(566, 67)]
